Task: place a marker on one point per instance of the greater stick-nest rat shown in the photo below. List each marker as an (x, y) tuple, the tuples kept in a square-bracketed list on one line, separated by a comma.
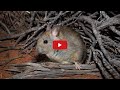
[(76, 51)]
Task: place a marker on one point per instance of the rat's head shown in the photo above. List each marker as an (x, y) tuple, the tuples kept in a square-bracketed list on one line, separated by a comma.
[(44, 43)]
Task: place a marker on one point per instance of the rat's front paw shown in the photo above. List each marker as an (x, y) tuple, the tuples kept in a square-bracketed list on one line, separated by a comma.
[(77, 65)]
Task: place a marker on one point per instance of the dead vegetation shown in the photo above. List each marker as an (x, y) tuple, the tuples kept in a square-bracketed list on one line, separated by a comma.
[(100, 31)]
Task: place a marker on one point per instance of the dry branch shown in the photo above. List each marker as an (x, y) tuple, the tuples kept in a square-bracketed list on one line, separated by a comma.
[(8, 31), (4, 62), (18, 35)]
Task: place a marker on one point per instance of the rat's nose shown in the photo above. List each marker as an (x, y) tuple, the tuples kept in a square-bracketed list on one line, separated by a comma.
[(41, 50)]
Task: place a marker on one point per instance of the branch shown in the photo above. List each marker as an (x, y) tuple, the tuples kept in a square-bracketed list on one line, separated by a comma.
[(111, 27), (4, 62), (109, 22), (8, 31), (18, 35), (10, 48), (36, 32), (52, 70)]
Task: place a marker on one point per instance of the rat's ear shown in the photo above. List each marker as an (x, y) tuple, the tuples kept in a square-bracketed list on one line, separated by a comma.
[(55, 31), (48, 27)]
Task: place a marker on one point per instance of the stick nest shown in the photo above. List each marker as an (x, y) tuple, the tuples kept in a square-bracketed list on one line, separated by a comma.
[(100, 31)]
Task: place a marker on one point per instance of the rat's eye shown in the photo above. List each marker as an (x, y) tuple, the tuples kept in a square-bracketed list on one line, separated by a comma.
[(45, 41)]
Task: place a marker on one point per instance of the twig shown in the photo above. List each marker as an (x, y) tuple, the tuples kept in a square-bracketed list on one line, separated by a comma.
[(94, 15), (90, 56), (19, 39), (18, 35), (78, 13), (30, 42), (8, 31), (29, 46), (32, 18), (71, 18), (109, 22), (10, 48), (56, 18), (2, 46), (110, 41), (115, 30), (86, 38), (105, 15), (111, 27), (4, 62), (37, 30)]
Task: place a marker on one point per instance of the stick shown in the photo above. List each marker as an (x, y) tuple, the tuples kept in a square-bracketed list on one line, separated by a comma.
[(18, 35), (9, 60), (10, 48), (6, 28)]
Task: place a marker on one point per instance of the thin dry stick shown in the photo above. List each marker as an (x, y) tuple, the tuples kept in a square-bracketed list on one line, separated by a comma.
[(111, 27), (18, 35), (4, 62), (6, 28), (109, 22), (79, 13), (32, 17), (37, 30), (90, 56), (110, 41), (10, 48), (20, 38)]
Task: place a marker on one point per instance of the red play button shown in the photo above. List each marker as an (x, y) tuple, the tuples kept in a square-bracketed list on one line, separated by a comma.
[(59, 44)]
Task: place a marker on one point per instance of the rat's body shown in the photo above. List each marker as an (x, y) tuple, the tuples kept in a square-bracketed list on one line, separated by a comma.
[(76, 51)]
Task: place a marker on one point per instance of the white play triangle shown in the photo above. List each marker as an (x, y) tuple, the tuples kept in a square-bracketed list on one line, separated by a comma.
[(59, 45)]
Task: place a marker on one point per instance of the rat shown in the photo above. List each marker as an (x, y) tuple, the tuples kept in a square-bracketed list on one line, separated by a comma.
[(74, 54)]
